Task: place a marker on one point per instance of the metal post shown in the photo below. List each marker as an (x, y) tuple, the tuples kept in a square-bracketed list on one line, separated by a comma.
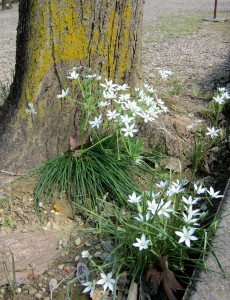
[(215, 19), (215, 9)]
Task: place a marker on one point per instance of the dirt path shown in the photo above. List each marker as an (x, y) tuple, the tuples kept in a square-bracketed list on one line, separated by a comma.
[(176, 38)]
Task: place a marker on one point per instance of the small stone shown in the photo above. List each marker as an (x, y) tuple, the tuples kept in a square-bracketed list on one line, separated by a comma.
[(32, 265), (97, 254), (64, 243), (51, 274), (38, 296), (24, 230), (53, 283), (18, 290), (2, 291), (40, 284), (49, 224), (78, 241), (59, 278), (47, 298), (76, 257), (43, 290), (55, 226), (26, 292), (87, 244), (32, 291), (61, 267)]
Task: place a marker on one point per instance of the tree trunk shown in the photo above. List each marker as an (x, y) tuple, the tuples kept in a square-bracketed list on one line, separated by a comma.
[(6, 4), (54, 36)]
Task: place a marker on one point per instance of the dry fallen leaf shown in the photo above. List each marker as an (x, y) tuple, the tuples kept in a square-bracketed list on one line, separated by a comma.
[(30, 276), (170, 284), (152, 274), (133, 292), (165, 277), (98, 294), (76, 141), (57, 207)]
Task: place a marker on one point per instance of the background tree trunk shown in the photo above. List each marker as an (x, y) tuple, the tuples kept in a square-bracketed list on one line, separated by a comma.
[(52, 37), (6, 4)]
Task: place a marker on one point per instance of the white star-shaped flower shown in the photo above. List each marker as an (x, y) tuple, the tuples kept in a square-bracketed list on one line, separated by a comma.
[(129, 130), (109, 85), (112, 115), (190, 200), (226, 96), (123, 87), (214, 194), (189, 219), (134, 198), (191, 126), (109, 94), (199, 189), (103, 103), (219, 99), (142, 218), (165, 209), (162, 184), (175, 188), (85, 254), (90, 287), (31, 110), (63, 94), (186, 236), (97, 121), (142, 243), (212, 132), (73, 75), (126, 119), (107, 281)]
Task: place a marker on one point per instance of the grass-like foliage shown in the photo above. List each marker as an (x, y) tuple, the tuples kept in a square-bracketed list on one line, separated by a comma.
[(105, 154), (159, 240), (87, 175), (154, 231)]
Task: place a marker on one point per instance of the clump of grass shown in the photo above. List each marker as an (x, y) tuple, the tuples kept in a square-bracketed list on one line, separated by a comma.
[(105, 154), (87, 175)]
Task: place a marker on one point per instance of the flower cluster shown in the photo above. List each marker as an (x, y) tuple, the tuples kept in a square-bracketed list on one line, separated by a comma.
[(222, 96), (165, 74), (171, 204), (106, 280), (124, 109), (114, 104)]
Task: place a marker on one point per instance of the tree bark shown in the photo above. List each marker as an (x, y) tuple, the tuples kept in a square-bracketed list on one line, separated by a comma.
[(54, 36), (6, 4)]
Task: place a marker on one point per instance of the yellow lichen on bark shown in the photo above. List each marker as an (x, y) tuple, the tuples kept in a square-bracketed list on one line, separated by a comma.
[(63, 31), (69, 33), (124, 53)]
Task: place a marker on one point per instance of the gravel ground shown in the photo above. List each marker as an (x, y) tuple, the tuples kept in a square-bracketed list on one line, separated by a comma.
[(196, 51), (197, 54)]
